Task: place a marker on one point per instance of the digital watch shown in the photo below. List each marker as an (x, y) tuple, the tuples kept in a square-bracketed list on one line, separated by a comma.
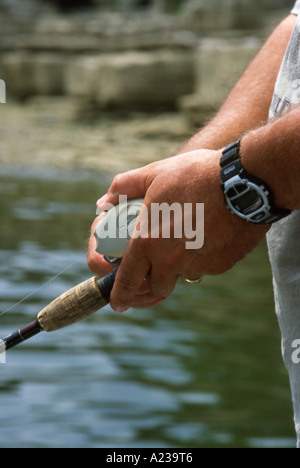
[(246, 196)]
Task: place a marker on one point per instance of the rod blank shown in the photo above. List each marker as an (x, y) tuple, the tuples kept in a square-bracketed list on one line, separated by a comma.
[(73, 306), (23, 334)]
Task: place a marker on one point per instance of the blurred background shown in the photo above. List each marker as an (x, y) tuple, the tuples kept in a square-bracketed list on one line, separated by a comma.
[(92, 61), (95, 87)]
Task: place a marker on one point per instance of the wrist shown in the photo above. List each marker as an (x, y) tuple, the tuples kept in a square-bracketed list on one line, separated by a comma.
[(262, 157), (246, 195)]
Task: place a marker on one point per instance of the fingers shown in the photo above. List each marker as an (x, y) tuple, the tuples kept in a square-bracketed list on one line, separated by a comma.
[(131, 289), (162, 281), (129, 281), (146, 301), (132, 183)]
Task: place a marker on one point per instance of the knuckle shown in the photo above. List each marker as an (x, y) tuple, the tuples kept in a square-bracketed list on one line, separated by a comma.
[(126, 283), (116, 183)]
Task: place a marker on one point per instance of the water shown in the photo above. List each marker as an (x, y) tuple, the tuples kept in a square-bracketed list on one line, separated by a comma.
[(203, 369)]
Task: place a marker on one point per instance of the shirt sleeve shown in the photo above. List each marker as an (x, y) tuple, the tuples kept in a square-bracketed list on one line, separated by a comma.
[(296, 9)]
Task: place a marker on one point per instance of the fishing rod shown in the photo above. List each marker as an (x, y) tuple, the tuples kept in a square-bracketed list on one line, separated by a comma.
[(113, 234), (76, 304)]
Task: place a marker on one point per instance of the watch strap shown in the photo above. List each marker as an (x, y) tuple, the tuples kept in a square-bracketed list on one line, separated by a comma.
[(231, 166), (231, 153)]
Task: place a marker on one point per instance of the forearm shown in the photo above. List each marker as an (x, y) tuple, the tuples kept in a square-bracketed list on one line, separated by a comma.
[(272, 153), (247, 107)]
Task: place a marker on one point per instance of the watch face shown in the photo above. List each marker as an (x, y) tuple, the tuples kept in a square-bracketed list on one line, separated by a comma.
[(247, 196), (247, 200)]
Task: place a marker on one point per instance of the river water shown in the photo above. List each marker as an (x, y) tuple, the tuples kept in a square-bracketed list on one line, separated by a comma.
[(204, 369)]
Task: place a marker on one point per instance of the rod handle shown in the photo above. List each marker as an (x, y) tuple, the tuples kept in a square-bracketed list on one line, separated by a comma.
[(76, 304)]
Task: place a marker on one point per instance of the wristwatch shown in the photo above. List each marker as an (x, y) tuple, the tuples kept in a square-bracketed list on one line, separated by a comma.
[(245, 195)]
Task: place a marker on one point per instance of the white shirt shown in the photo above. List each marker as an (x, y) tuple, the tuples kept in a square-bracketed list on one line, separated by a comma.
[(284, 237)]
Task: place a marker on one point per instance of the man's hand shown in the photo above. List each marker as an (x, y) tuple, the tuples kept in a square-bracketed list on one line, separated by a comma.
[(189, 178)]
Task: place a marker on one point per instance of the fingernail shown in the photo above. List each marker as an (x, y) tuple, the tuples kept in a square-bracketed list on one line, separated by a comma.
[(120, 310), (101, 200)]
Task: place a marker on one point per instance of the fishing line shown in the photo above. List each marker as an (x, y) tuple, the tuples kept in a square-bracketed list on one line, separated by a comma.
[(86, 298), (39, 288)]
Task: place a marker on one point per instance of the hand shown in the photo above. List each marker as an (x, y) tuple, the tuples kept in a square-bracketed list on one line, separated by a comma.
[(189, 178), (101, 267)]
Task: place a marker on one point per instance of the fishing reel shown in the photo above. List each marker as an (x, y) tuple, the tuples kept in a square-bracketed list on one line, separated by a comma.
[(115, 229), (113, 234)]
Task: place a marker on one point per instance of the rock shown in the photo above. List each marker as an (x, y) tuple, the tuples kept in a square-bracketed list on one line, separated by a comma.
[(48, 74), (82, 76), (18, 74), (132, 79), (25, 11), (203, 15), (29, 74), (145, 79), (220, 63)]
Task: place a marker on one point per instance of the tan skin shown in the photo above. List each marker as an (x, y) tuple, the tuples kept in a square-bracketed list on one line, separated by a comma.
[(194, 177)]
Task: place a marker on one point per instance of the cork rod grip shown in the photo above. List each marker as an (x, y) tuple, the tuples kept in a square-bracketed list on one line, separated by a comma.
[(76, 304)]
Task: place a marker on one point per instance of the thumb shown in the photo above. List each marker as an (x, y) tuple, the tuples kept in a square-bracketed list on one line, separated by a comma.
[(133, 184)]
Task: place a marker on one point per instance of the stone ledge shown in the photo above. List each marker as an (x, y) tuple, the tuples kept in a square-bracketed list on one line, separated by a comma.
[(132, 79), (219, 65)]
